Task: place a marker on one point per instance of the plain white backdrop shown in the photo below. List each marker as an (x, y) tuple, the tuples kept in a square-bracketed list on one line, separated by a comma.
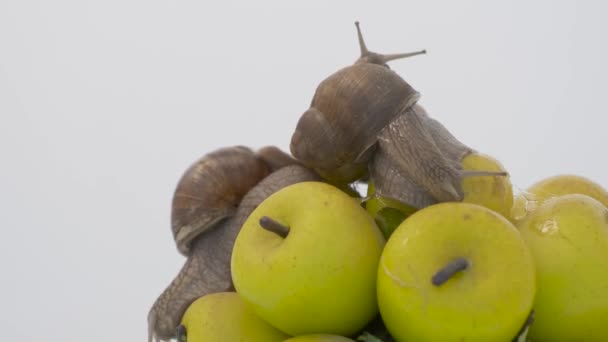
[(103, 105)]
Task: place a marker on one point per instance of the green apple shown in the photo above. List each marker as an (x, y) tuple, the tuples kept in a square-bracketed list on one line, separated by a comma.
[(306, 259), (568, 237), (553, 187), (224, 316), (493, 192), (455, 272), (387, 212), (376, 203), (319, 338)]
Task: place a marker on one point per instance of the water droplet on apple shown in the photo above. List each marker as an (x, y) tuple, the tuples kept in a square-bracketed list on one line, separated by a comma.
[(531, 205), (547, 227)]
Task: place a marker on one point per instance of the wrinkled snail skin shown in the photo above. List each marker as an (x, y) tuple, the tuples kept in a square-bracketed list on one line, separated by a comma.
[(210, 191), (390, 183), (451, 147), (411, 144), (398, 165), (207, 270), (422, 161), (276, 181)]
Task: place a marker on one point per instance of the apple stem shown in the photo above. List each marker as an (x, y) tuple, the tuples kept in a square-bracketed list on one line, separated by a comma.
[(180, 333), (274, 226), (449, 270)]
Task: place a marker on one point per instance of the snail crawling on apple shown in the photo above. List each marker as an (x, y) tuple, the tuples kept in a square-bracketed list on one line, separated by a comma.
[(364, 119), (280, 247), (211, 202)]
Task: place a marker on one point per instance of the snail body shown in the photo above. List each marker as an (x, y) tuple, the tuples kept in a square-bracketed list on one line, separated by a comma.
[(417, 154), (436, 178)]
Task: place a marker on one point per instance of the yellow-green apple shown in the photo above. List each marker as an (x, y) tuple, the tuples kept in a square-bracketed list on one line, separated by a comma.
[(568, 237), (319, 338), (376, 203), (491, 191), (485, 182), (387, 212), (224, 316), (455, 272), (306, 258), (552, 187)]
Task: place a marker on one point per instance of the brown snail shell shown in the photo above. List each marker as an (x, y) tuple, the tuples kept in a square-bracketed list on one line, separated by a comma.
[(207, 270), (212, 188), (336, 135), (210, 191)]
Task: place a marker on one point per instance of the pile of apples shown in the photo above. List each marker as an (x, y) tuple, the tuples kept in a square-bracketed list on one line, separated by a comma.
[(440, 250), (315, 262)]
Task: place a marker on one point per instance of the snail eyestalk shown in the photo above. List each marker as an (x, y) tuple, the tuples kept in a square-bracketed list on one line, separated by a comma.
[(274, 226), (376, 58), (364, 50), (392, 57), (448, 271)]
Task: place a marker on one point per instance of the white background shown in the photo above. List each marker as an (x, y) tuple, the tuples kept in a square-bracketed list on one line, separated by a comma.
[(103, 105)]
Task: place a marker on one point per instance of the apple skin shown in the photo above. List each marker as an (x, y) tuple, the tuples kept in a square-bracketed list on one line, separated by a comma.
[(568, 237), (387, 212), (493, 192), (488, 301), (321, 278), (376, 203), (319, 338), (552, 187), (224, 316)]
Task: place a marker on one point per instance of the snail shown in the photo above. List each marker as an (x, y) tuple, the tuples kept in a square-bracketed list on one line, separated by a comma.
[(336, 136), (211, 189), (211, 202), (364, 121)]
